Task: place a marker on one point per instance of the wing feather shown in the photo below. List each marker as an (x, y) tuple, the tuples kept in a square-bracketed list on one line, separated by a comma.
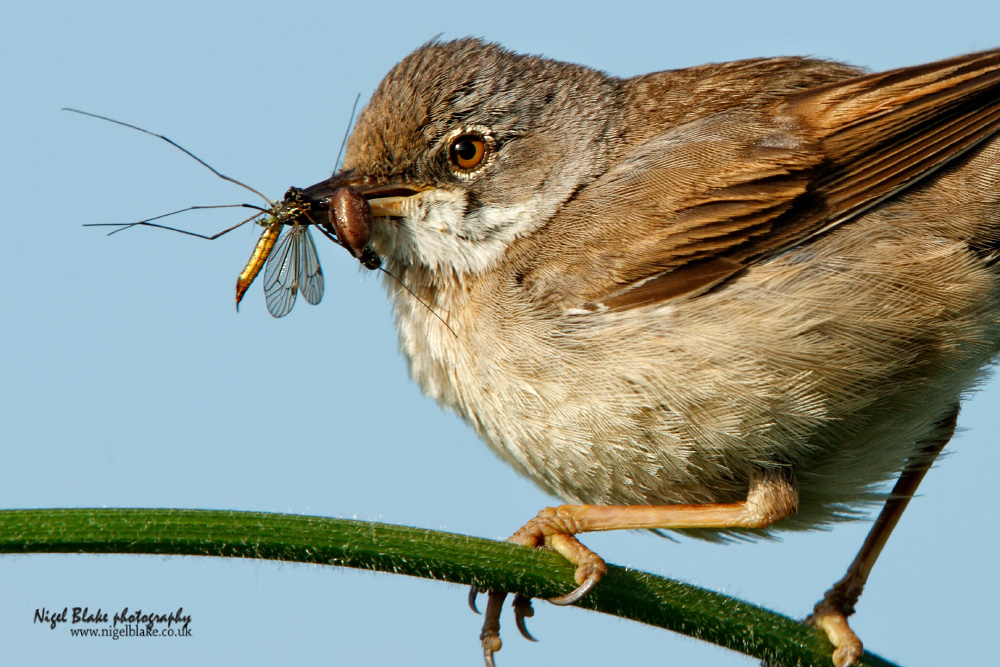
[(742, 185)]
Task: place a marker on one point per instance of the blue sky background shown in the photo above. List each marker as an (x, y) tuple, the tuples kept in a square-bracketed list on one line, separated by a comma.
[(128, 380)]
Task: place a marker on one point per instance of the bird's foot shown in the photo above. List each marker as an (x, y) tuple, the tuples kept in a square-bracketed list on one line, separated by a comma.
[(831, 617), (554, 528), (490, 635)]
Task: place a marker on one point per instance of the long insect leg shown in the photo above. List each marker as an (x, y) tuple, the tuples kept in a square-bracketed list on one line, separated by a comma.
[(175, 145), (148, 222), (340, 153)]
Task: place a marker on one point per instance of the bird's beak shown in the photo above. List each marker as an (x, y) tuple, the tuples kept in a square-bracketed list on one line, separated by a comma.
[(387, 197)]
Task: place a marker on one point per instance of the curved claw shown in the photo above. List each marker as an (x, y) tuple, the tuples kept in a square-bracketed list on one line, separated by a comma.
[(473, 594), (523, 610), (488, 657), (578, 594)]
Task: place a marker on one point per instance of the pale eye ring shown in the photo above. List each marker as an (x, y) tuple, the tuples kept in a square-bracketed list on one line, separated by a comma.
[(468, 151)]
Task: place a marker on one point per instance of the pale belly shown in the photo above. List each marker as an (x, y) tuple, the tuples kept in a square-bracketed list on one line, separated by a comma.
[(835, 359)]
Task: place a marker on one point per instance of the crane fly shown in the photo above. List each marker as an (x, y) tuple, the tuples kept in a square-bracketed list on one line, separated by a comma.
[(336, 208), (289, 258), (292, 264), (286, 250)]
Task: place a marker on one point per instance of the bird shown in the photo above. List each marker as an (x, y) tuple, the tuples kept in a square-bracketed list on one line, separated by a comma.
[(728, 300)]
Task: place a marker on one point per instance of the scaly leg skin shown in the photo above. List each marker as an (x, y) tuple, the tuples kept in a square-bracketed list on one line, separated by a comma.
[(830, 613), (773, 496)]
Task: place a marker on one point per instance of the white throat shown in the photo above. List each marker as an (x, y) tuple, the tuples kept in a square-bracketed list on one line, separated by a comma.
[(440, 233)]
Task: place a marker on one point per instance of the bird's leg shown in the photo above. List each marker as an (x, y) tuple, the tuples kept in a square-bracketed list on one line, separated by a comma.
[(773, 495), (830, 613)]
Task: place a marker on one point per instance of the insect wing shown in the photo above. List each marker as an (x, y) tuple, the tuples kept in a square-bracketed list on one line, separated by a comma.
[(281, 274), (310, 275)]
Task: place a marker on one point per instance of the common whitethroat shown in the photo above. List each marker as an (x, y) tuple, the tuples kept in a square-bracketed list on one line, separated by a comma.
[(733, 298)]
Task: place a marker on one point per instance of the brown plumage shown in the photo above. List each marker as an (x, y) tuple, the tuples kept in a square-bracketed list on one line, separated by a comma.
[(745, 182), (730, 299)]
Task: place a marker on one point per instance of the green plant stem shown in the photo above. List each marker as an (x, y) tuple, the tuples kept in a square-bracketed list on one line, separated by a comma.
[(430, 554)]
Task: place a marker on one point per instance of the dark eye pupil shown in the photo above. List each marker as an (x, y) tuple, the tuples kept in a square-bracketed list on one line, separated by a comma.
[(465, 149)]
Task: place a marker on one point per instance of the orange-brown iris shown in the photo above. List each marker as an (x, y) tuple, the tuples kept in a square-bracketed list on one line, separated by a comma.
[(467, 151)]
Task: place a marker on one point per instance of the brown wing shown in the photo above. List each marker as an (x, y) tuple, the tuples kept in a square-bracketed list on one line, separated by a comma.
[(884, 132), (707, 198)]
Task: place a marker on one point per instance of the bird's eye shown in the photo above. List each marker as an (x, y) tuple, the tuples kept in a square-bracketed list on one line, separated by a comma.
[(467, 151)]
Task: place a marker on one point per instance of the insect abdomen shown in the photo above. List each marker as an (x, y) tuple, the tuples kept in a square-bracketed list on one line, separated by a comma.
[(260, 253)]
